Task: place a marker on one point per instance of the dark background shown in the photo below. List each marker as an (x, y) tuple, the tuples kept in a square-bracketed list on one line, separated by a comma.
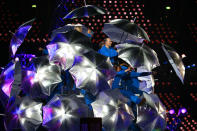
[(176, 27)]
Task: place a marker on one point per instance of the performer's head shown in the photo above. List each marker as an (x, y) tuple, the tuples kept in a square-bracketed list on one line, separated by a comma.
[(122, 65), (108, 42)]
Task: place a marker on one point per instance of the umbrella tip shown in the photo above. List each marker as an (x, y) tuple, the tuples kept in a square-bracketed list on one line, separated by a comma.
[(134, 19)]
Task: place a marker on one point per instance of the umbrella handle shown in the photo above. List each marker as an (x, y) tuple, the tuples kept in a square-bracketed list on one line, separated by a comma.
[(134, 19), (11, 32), (85, 2)]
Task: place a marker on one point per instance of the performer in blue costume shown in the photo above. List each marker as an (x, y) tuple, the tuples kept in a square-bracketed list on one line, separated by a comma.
[(107, 50), (126, 80), (89, 98)]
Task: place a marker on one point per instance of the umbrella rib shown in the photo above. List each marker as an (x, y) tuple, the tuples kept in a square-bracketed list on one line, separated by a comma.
[(121, 37)]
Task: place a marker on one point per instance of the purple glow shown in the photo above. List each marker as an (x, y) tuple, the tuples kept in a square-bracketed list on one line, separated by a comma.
[(8, 78), (31, 76), (77, 60), (52, 50), (18, 38), (183, 110), (47, 114), (9, 72), (7, 88), (171, 111), (18, 111), (14, 48)]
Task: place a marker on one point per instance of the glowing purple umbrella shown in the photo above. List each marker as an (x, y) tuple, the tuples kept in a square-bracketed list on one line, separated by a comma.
[(19, 36), (7, 78), (23, 113), (11, 79), (43, 79), (66, 45), (63, 113), (64, 54)]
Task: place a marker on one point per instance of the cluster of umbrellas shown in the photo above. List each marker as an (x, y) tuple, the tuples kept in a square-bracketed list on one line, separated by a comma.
[(30, 93)]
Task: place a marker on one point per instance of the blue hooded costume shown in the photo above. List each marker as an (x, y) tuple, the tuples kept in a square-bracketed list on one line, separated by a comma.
[(109, 52), (128, 84)]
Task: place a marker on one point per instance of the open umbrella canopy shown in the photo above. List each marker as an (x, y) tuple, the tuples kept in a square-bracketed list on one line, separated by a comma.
[(44, 77), (103, 63), (64, 112), (11, 79), (23, 113), (91, 72), (88, 77), (19, 36), (111, 106), (121, 30), (138, 55), (149, 84), (175, 60), (64, 54), (151, 115), (69, 27), (72, 37), (85, 11), (7, 78)]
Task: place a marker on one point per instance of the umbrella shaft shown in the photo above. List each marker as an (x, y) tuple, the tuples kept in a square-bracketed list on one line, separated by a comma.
[(85, 2), (134, 20)]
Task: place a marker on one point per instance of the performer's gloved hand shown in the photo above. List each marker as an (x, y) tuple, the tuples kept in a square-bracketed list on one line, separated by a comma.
[(142, 102), (82, 91), (145, 73)]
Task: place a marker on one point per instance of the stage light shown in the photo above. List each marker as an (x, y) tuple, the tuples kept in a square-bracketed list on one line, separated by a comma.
[(34, 6), (16, 59), (171, 111), (183, 110), (168, 7), (183, 56)]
